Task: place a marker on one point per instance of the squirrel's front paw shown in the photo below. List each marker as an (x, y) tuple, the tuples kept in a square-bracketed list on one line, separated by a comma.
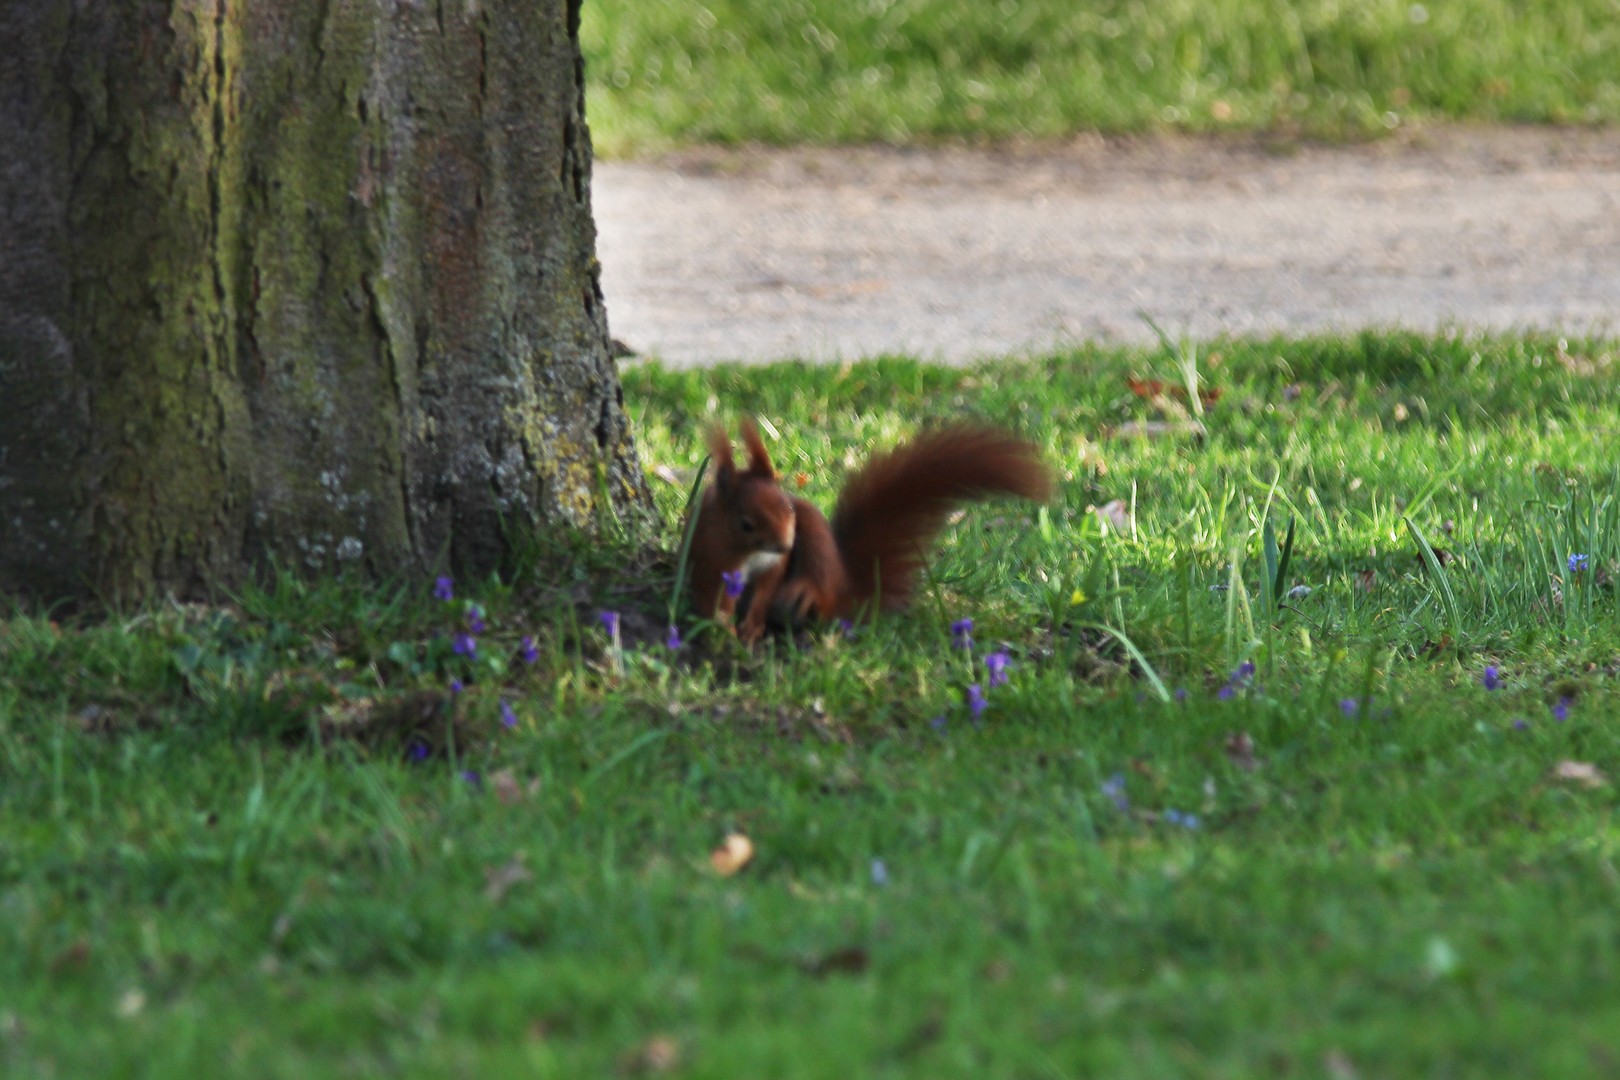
[(795, 603)]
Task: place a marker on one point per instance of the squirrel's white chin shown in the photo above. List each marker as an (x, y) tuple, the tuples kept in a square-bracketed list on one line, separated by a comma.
[(761, 561)]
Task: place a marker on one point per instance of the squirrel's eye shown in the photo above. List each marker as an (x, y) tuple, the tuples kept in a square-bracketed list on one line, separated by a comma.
[(746, 525)]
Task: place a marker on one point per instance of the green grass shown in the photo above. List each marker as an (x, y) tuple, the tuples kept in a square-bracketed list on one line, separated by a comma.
[(219, 857), (666, 72)]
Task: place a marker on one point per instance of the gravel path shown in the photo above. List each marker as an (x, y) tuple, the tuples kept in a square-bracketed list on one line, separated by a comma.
[(951, 254)]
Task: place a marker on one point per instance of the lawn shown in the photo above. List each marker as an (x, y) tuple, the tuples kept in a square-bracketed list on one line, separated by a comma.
[(1246, 806), (667, 72)]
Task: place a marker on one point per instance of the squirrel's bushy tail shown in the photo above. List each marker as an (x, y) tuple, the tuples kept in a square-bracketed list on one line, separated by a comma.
[(891, 510)]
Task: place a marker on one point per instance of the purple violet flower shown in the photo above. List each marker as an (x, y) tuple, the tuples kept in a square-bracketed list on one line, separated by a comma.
[(1492, 678), (997, 663), (1578, 563), (472, 778), (418, 750), (1521, 724), (1561, 710), (609, 621), (962, 634), (455, 686), (735, 581), (444, 589), (672, 639), (508, 715), (1176, 817), (526, 650), (475, 619), (1350, 706), (465, 645), (976, 702), (938, 723)]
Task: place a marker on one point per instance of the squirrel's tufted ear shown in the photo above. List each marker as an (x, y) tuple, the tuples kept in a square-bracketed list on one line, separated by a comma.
[(759, 462), (725, 469)]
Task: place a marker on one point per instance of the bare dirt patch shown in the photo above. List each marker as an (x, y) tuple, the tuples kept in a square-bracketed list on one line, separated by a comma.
[(759, 254)]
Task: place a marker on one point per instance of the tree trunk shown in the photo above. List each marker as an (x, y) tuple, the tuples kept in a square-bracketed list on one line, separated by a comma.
[(303, 280)]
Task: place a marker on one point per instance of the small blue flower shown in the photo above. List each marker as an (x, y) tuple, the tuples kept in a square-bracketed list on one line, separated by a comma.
[(609, 621), (880, 873), (465, 645), (475, 619), (997, 663), (1521, 724), (1578, 563), (508, 715), (418, 750), (1492, 678), (962, 634), (1350, 706), (938, 723), (444, 589), (1561, 710), (472, 778), (1176, 817), (1181, 693), (455, 686), (735, 581), (526, 650), (1227, 692), (1114, 788), (672, 639)]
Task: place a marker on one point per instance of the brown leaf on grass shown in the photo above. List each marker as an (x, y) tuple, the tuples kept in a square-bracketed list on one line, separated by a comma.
[(848, 960), (1581, 773), (659, 1054), (498, 880), (734, 853), (1143, 768), (1431, 647), (1240, 750), (76, 957), (509, 789), (1155, 391)]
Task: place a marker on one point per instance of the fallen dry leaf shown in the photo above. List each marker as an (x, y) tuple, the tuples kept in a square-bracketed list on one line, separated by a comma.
[(848, 960), (1583, 773), (732, 855), (659, 1054), (498, 880), (508, 789), (1240, 750)]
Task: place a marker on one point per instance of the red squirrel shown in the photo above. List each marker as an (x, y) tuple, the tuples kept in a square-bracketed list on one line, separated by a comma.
[(798, 565)]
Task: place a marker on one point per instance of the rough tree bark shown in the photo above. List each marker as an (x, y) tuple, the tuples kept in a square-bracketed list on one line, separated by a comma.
[(310, 280)]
